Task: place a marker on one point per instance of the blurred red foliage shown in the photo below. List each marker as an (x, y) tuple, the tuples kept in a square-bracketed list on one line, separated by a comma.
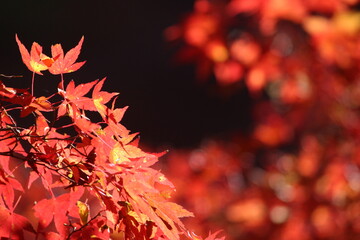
[(295, 174)]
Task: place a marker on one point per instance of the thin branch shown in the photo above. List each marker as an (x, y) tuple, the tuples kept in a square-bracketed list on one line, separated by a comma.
[(10, 76), (85, 225)]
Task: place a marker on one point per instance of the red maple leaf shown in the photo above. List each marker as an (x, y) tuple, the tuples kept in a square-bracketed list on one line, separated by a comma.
[(35, 61), (100, 98), (6, 91), (74, 95), (212, 236), (65, 64), (13, 225), (57, 209)]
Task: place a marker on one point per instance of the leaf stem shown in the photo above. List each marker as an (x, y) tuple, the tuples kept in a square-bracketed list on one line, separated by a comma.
[(62, 81), (32, 83)]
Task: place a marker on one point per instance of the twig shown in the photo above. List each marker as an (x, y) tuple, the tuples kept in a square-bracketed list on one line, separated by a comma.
[(85, 225), (10, 76)]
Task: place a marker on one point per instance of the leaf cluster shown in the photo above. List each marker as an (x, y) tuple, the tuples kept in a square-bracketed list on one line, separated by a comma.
[(92, 178)]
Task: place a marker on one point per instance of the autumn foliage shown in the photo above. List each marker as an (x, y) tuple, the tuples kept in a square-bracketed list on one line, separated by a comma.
[(294, 173), (65, 176)]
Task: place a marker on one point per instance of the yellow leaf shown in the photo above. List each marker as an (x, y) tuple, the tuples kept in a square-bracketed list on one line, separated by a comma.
[(83, 212), (118, 155)]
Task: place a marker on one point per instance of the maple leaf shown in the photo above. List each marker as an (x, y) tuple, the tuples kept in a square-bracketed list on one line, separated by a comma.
[(36, 104), (141, 206), (213, 236), (124, 153), (101, 97), (210, 237), (57, 209), (112, 118), (147, 201), (86, 126), (35, 59), (13, 225), (6, 91), (22, 97), (7, 192), (74, 95), (65, 64), (169, 212)]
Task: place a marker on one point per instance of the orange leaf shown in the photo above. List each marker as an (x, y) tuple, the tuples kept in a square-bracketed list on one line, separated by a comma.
[(65, 64), (32, 60)]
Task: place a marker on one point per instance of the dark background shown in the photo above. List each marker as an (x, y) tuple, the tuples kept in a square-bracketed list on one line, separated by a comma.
[(124, 42)]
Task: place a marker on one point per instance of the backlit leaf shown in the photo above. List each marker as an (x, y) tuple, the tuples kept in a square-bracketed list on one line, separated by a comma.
[(65, 64)]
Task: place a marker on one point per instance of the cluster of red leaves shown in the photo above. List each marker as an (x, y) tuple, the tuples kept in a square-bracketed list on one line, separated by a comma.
[(295, 174), (66, 177)]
